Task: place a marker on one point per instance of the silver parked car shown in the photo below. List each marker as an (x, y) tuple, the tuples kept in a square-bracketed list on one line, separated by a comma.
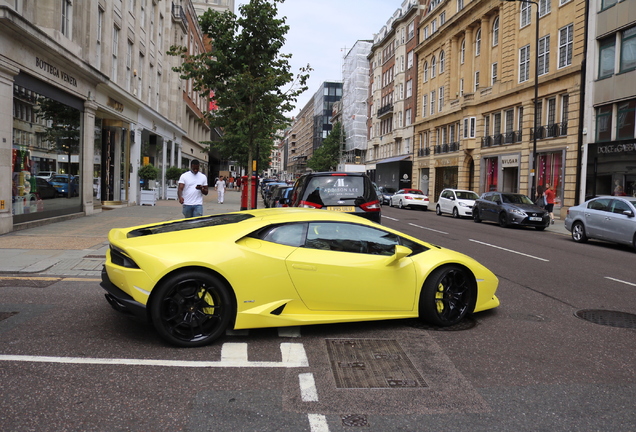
[(457, 202), (609, 218)]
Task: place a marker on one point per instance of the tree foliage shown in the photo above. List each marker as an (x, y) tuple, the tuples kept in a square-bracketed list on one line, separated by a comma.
[(247, 74), (327, 156)]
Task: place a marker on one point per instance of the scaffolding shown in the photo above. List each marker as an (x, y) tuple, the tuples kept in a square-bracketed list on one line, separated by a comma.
[(355, 75)]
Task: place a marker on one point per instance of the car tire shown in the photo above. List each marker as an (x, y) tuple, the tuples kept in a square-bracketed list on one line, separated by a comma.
[(400, 204), (476, 217), (503, 220), (192, 309), (448, 294), (540, 228), (438, 211), (455, 213), (578, 232)]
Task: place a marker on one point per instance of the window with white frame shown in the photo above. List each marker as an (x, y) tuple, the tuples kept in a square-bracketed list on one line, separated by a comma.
[(433, 102), (100, 30), (566, 41), (495, 32), (129, 76), (113, 74), (462, 52), (440, 105), (544, 55), (526, 16), (409, 88), (400, 119), (401, 92), (493, 74), (442, 18), (476, 80), (544, 7), (409, 59), (460, 5), (411, 29), (434, 26), (67, 18), (461, 86), (469, 127), (433, 67), (425, 72), (524, 63), (424, 105), (442, 62), (478, 42), (407, 118), (565, 108), (140, 73), (426, 33)]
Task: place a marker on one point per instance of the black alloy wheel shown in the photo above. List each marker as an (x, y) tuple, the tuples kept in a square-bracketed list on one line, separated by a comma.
[(476, 217), (449, 293), (192, 309), (503, 220)]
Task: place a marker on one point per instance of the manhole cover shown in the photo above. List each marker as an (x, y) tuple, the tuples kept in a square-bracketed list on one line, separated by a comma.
[(608, 318), (371, 363), (466, 324)]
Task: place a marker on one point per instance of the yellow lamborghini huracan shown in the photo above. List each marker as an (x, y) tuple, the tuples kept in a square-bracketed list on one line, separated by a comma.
[(194, 278)]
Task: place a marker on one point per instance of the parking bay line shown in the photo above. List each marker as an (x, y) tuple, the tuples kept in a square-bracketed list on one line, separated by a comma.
[(293, 356), (509, 250), (621, 281)]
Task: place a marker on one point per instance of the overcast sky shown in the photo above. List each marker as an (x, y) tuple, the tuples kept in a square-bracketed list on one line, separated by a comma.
[(321, 32)]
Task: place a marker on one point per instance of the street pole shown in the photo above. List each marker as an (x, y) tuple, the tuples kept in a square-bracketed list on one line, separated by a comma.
[(533, 173)]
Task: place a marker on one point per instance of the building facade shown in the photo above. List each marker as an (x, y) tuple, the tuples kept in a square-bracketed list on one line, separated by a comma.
[(86, 85), (475, 126), (392, 95), (609, 152)]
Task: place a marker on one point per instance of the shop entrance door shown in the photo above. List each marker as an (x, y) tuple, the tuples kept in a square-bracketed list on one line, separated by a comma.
[(115, 159)]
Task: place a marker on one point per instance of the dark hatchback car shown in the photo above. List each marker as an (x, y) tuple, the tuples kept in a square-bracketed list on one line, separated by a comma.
[(338, 191), (45, 189), (510, 209)]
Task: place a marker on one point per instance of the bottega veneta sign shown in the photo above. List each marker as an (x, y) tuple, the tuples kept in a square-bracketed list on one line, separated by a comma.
[(54, 71)]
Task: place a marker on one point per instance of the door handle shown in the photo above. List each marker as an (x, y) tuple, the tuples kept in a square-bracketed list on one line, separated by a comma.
[(306, 267)]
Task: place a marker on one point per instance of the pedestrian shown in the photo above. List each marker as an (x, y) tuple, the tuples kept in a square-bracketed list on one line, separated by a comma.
[(540, 199), (549, 201), (192, 186), (219, 186)]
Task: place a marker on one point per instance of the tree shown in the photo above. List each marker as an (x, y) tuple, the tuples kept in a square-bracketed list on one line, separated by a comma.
[(327, 156), (247, 74)]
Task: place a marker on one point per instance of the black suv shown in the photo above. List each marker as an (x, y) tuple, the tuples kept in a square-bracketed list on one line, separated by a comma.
[(337, 191)]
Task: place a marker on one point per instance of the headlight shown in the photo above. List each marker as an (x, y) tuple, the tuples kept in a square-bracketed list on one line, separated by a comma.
[(518, 212), (463, 204)]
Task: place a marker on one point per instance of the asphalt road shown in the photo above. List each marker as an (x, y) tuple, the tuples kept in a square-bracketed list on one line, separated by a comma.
[(529, 365)]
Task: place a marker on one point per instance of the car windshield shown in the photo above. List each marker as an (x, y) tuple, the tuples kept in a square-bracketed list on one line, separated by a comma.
[(332, 190), (187, 224), (516, 199), (467, 195)]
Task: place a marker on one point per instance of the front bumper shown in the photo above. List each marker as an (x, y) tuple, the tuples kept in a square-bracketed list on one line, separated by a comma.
[(122, 302)]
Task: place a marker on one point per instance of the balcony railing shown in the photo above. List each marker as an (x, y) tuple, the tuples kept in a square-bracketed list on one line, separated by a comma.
[(178, 15), (385, 110), (446, 148), (424, 152), (550, 131), (501, 139)]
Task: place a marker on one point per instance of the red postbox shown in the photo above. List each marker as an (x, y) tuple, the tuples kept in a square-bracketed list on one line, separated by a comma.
[(244, 187)]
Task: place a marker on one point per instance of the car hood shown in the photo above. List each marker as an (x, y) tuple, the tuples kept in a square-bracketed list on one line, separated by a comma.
[(525, 207)]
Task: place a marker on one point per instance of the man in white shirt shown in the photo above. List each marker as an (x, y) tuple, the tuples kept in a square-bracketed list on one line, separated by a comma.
[(192, 186), (220, 188)]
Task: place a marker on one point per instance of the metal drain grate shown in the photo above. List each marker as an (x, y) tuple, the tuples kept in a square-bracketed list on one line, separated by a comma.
[(608, 318), (355, 420), (466, 324)]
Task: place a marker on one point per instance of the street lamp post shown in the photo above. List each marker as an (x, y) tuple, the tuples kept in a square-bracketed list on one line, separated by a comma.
[(533, 190)]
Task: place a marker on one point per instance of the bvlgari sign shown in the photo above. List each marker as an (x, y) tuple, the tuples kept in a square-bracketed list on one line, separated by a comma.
[(54, 71)]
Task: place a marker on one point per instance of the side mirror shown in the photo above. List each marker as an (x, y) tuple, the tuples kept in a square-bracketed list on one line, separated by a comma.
[(400, 252), (628, 213)]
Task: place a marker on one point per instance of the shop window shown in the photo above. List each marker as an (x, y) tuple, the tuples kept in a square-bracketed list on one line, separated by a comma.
[(604, 123)]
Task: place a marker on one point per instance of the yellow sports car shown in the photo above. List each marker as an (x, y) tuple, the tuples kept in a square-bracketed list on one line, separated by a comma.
[(195, 278)]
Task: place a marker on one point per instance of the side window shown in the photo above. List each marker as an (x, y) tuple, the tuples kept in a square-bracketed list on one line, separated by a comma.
[(599, 204), (288, 234), (343, 237), (619, 206)]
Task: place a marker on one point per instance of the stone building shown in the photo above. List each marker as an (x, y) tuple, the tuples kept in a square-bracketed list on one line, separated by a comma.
[(475, 125), (90, 93)]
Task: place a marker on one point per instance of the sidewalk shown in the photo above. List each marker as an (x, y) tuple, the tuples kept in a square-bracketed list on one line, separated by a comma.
[(77, 247)]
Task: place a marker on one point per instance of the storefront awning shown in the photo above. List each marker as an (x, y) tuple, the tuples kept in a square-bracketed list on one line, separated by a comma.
[(395, 159)]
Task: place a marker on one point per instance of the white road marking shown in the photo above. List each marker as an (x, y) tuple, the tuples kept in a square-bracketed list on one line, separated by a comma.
[(510, 250), (291, 332), (318, 423), (308, 391), (621, 281), (293, 356), (390, 218), (430, 229)]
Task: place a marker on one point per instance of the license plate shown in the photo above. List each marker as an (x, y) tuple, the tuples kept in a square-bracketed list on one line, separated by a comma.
[(346, 209), (535, 219), (418, 198)]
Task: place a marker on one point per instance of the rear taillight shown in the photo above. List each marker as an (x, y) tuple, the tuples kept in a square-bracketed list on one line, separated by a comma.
[(309, 204), (373, 206), (408, 197)]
